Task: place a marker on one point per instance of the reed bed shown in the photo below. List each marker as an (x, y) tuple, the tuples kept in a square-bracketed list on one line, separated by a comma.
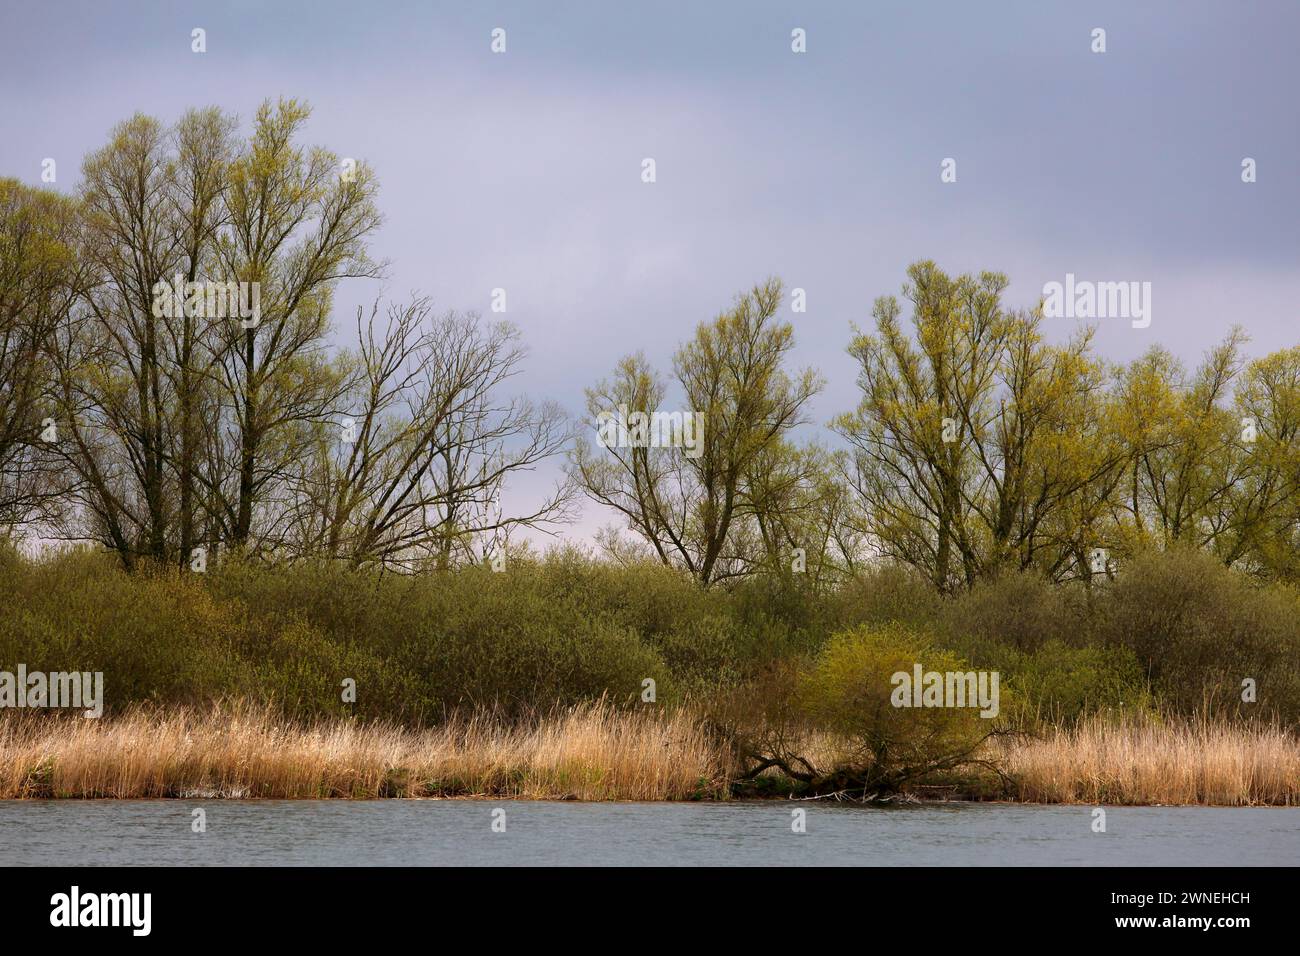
[(588, 752), (1143, 761)]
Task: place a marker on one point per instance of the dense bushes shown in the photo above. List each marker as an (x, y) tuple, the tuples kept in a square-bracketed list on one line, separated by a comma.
[(1176, 632), (1199, 630), (513, 641), (1019, 611), (1060, 684), (164, 638)]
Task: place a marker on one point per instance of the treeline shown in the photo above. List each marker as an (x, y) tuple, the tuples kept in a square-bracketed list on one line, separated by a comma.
[(977, 447), (176, 436)]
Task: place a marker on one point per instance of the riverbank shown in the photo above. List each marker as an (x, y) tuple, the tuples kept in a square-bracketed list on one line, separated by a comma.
[(594, 753)]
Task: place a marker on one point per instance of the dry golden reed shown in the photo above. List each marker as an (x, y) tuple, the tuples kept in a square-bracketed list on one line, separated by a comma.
[(588, 752), (1141, 761)]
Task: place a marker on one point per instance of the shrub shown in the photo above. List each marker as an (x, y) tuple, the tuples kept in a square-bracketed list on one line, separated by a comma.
[(1022, 610), (152, 636), (571, 629), (880, 595), (833, 726), (1061, 684), (850, 691), (1199, 629), (513, 641)]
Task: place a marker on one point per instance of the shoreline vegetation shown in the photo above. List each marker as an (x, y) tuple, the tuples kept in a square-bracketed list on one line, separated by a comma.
[(567, 677), (597, 752)]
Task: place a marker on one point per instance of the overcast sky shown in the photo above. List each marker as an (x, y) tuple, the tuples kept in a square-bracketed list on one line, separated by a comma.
[(522, 170)]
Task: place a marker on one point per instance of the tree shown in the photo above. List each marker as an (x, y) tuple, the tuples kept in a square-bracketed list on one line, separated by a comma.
[(184, 412), (205, 147), (974, 438), (1180, 438), (116, 396), (690, 499), (298, 223), (798, 516), (1264, 533), (38, 278), (414, 469)]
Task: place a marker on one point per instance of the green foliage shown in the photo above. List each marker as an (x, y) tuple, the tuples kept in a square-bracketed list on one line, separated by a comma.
[(1174, 632), (1022, 611), (848, 692), (1199, 630), (514, 641), (1060, 684), (883, 594), (1064, 683), (166, 638)]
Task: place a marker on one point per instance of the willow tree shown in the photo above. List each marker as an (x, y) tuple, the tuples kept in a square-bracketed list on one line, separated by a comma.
[(114, 353), (179, 420), (799, 518), (975, 440), (204, 146), (1264, 533), (38, 280), (691, 502), (1214, 461), (414, 471), (298, 223)]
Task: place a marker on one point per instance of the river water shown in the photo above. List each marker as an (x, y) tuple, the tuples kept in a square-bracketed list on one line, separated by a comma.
[(461, 832)]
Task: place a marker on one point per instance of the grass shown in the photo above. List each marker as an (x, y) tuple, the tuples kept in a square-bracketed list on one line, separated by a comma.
[(586, 752), (1142, 761)]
